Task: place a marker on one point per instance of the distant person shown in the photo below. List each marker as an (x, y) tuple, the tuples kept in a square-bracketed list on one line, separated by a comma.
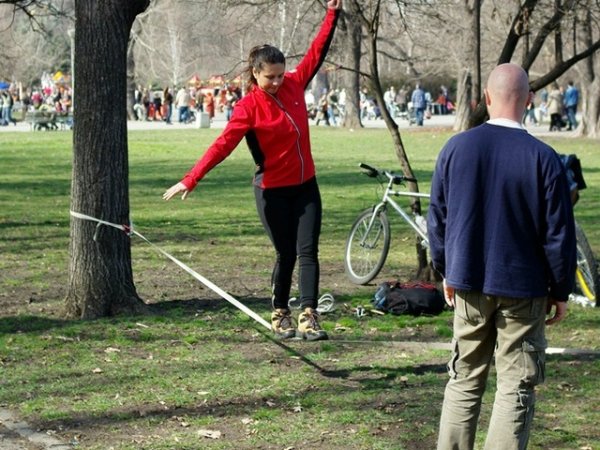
[(7, 103), (332, 106), (389, 98), (543, 108), (571, 100), (555, 108), (443, 99), (199, 98), (502, 234), (274, 120), (401, 99), (530, 111), (182, 103), (322, 110), (209, 105), (230, 100), (168, 105), (157, 102), (419, 103)]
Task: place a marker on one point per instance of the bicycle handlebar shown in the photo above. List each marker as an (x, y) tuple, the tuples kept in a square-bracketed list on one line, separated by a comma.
[(373, 172)]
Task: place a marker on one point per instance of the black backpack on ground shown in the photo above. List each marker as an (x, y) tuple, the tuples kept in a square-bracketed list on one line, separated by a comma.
[(415, 299)]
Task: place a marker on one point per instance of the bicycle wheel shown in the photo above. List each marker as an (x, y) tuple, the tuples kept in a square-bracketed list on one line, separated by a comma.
[(367, 248), (586, 275)]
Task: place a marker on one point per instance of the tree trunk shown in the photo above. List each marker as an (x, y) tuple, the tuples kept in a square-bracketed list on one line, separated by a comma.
[(590, 86), (100, 274), (590, 111), (352, 31), (464, 100), (468, 89)]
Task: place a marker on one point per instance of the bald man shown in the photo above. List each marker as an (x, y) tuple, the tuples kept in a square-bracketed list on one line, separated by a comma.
[(501, 234)]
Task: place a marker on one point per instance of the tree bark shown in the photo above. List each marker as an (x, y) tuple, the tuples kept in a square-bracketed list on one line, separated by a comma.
[(464, 100), (590, 106), (468, 89), (100, 274), (352, 32)]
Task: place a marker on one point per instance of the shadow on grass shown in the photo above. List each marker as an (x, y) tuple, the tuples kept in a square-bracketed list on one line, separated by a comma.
[(30, 324)]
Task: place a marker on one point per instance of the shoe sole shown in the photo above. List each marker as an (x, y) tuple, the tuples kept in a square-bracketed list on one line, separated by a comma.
[(287, 335), (312, 336)]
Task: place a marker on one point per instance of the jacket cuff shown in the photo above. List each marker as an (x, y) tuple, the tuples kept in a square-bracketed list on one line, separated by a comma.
[(189, 183)]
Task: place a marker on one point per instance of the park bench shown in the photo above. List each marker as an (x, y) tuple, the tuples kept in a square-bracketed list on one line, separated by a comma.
[(39, 120), (49, 120), (64, 120)]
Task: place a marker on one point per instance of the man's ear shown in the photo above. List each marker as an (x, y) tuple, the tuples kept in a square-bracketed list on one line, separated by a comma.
[(488, 100)]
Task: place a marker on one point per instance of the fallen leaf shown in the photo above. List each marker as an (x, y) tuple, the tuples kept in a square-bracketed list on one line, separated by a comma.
[(247, 421), (97, 370), (111, 350), (211, 434), (297, 409)]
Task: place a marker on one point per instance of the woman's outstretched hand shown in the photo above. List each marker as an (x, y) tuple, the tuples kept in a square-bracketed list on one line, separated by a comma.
[(176, 189), (334, 4)]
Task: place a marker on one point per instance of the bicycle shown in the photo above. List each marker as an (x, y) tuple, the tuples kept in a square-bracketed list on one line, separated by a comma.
[(587, 278), (368, 243)]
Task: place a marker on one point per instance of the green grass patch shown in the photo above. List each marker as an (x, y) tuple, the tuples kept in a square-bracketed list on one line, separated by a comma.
[(196, 363)]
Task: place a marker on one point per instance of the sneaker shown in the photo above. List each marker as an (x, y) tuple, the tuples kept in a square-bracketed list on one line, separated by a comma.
[(308, 326), (282, 324)]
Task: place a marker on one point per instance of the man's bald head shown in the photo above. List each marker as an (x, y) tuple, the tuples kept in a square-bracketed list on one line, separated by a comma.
[(507, 92)]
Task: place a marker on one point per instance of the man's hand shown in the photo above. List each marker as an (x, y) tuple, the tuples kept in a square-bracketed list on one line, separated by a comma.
[(176, 189), (334, 4), (448, 294), (560, 311)]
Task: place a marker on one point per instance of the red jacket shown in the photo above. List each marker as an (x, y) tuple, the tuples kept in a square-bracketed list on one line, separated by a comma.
[(275, 127)]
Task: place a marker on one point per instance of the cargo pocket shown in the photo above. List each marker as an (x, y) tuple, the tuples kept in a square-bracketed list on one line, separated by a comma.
[(452, 363), (534, 362)]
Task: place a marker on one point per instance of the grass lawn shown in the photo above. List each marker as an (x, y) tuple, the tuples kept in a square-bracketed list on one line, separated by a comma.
[(199, 374)]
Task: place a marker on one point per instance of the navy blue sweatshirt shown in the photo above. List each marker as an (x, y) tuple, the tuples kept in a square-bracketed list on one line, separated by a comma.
[(500, 219)]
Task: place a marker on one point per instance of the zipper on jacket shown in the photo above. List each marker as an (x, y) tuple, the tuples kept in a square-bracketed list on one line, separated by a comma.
[(297, 131)]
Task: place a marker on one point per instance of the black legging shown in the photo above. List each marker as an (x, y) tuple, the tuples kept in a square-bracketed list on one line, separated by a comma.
[(292, 218)]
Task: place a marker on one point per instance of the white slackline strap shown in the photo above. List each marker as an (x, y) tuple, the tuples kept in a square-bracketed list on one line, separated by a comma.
[(209, 284)]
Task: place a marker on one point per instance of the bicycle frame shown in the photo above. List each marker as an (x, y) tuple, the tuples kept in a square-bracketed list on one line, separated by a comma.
[(368, 244), (387, 199)]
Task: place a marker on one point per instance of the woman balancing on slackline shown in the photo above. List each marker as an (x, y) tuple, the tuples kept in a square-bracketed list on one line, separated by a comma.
[(274, 120)]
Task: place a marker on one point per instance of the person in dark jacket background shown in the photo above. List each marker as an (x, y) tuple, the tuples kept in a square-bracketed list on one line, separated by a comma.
[(501, 233), (274, 120)]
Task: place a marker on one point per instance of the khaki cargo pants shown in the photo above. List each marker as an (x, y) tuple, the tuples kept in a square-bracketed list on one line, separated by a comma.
[(514, 329)]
